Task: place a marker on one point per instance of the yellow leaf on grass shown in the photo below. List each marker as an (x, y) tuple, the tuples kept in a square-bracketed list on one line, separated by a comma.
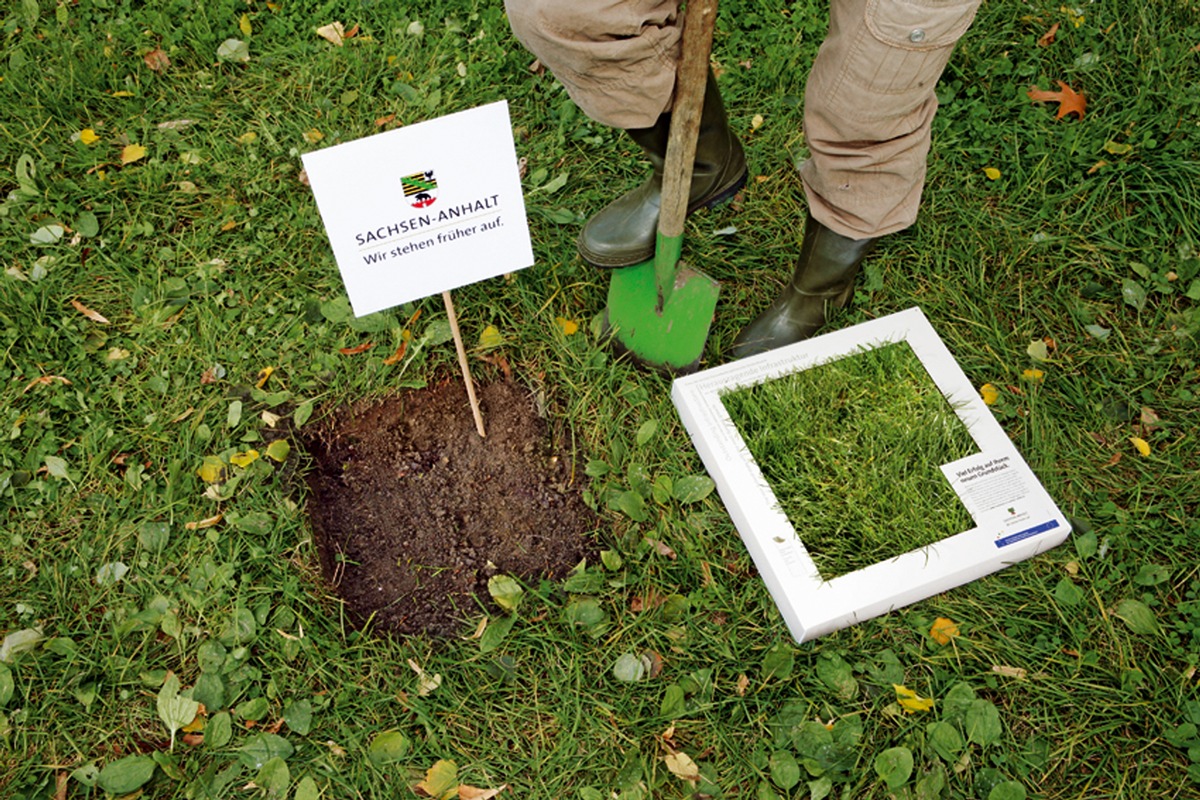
[(1141, 444), (490, 338), (568, 326), (211, 470), (441, 781), (989, 393), (943, 630), (244, 25), (278, 450), (312, 136), (263, 374), (992, 173), (132, 152), (757, 122), (1075, 15), (197, 723), (244, 459), (247, 137), (1033, 375), (910, 701), (88, 136)]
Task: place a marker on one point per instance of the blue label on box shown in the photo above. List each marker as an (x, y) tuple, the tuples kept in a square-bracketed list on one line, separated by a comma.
[(1013, 538)]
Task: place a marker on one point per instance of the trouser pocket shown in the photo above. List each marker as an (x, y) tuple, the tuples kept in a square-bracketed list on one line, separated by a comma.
[(889, 59)]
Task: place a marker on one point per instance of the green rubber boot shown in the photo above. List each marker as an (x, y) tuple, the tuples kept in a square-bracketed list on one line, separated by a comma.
[(824, 278), (622, 233)]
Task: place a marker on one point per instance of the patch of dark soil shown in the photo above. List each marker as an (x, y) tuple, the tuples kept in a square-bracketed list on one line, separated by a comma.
[(413, 511)]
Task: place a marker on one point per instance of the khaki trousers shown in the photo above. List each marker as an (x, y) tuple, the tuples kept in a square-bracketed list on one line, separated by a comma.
[(868, 104)]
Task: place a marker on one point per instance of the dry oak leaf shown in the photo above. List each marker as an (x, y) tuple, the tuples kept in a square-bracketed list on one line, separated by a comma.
[(1069, 101)]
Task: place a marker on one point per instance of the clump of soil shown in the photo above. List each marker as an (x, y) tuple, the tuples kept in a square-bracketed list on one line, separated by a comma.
[(413, 511)]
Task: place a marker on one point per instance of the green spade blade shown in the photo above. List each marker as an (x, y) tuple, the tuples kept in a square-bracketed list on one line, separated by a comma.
[(664, 330)]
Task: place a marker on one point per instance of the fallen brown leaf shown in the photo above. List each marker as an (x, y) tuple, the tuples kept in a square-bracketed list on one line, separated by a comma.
[(1069, 101), (473, 793), (204, 523), (1047, 38), (45, 380), (656, 663), (396, 356), (94, 316), (662, 548), (353, 351), (157, 60), (651, 599), (498, 360)]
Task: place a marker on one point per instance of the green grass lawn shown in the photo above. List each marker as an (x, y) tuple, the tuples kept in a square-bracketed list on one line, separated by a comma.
[(169, 294)]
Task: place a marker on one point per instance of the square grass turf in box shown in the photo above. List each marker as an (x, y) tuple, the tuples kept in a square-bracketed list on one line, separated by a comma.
[(851, 450), (882, 532)]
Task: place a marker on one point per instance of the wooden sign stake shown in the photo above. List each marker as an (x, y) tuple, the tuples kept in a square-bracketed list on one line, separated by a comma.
[(462, 362)]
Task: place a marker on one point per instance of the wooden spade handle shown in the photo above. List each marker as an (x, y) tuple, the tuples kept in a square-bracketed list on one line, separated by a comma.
[(690, 79)]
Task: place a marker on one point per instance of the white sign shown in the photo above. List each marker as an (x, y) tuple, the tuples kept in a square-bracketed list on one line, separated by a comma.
[(1014, 516), (424, 208)]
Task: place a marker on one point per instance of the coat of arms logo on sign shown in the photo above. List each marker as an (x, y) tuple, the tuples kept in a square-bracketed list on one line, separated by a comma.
[(420, 188)]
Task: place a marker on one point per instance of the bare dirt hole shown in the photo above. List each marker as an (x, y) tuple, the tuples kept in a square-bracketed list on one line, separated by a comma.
[(413, 511)]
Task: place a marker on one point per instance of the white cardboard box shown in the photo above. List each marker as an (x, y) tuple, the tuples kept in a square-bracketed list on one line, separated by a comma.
[(1014, 516)]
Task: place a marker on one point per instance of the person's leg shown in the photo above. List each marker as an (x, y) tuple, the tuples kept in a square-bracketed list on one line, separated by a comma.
[(868, 110), (617, 60)]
